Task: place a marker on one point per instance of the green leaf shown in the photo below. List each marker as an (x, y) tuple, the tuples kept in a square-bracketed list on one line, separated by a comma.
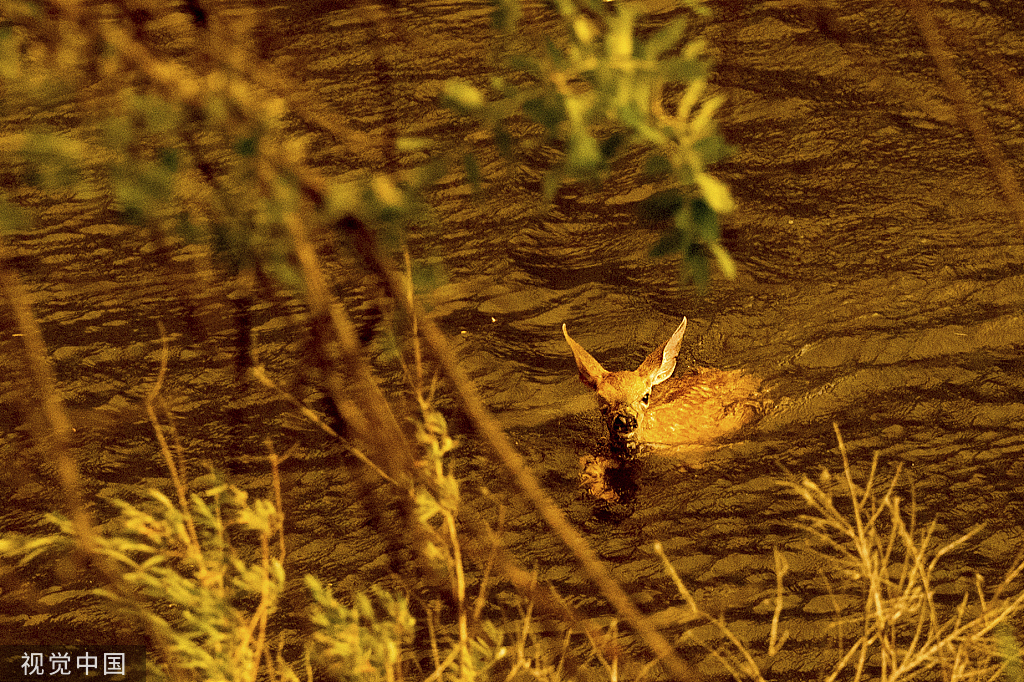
[(584, 30), (611, 145), (247, 146), (547, 110), (584, 155), (661, 205), (704, 221), (619, 38), (702, 125), (188, 230), (341, 199), (564, 7), (665, 38), (672, 241), (682, 69), (387, 193), (716, 192), (598, 7), (695, 49), (683, 219), (580, 108), (504, 141), (652, 134), (712, 149), (657, 166), (555, 55), (698, 7), (462, 96), (506, 15), (684, 176), (473, 173), (425, 175), (628, 113), (725, 262), (697, 263), (525, 62)]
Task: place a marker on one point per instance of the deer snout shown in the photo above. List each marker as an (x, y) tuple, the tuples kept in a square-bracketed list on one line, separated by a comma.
[(624, 424)]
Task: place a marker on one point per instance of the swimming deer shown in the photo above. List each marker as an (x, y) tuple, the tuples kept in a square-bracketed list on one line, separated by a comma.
[(648, 407)]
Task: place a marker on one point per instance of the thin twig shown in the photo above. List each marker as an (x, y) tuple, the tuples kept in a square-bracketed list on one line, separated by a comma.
[(56, 442), (775, 641), (487, 427), (970, 114), (278, 497), (152, 399), (731, 663), (261, 375)]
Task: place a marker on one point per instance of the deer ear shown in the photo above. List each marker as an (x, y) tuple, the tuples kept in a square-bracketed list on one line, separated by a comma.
[(660, 364), (590, 369)]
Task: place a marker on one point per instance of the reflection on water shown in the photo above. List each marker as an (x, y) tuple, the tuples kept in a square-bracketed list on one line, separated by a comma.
[(880, 288)]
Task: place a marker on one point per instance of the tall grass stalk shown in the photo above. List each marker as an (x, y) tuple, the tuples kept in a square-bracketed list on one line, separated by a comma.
[(870, 537), (904, 631)]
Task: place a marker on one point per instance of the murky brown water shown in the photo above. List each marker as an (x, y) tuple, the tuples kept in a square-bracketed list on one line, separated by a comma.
[(880, 287)]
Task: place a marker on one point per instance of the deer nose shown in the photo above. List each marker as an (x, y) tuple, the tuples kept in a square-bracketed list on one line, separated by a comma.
[(624, 424)]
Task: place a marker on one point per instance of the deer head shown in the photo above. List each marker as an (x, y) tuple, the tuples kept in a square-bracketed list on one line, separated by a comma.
[(624, 396)]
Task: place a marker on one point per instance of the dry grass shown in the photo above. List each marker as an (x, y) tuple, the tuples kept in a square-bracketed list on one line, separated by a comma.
[(173, 567), (875, 545)]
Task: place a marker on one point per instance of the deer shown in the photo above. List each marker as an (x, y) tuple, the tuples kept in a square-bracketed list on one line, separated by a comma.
[(647, 409)]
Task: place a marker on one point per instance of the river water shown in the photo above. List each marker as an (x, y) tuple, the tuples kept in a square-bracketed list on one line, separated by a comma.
[(880, 287)]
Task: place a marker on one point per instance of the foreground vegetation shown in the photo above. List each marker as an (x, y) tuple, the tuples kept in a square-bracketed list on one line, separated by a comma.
[(204, 574), (194, 150), (181, 127)]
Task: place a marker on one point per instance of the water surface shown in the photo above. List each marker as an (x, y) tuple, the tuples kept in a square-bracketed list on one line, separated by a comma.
[(879, 287)]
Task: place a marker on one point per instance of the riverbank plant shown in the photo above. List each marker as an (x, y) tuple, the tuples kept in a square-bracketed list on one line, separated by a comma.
[(168, 121), (902, 624), (203, 573)]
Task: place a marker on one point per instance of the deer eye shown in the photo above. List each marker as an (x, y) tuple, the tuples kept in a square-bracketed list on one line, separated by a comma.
[(646, 398)]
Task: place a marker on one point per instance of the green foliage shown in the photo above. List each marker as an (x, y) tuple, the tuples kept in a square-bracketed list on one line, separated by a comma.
[(357, 643), (203, 580), (203, 154), (196, 147), (200, 157), (186, 580), (600, 90)]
